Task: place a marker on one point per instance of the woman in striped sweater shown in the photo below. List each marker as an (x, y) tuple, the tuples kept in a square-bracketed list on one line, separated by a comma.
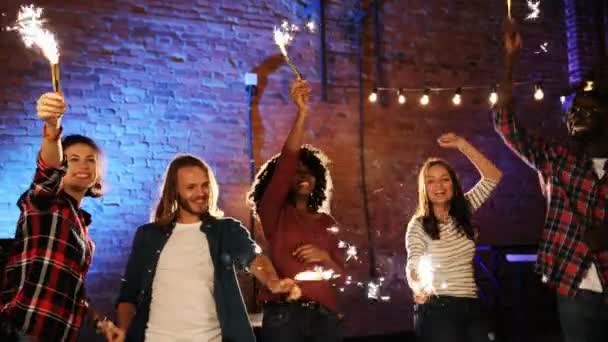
[(440, 243)]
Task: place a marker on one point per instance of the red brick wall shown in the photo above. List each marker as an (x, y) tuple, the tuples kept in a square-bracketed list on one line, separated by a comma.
[(148, 79)]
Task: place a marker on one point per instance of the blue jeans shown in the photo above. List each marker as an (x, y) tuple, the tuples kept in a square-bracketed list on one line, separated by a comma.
[(452, 319), (583, 318), (299, 322)]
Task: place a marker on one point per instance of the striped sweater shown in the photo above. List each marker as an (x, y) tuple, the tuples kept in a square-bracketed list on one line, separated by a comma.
[(451, 256)]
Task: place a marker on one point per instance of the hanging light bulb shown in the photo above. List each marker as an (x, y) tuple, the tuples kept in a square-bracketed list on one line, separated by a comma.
[(457, 99), (401, 96), (425, 99), (538, 92), (493, 96), (373, 97), (562, 99)]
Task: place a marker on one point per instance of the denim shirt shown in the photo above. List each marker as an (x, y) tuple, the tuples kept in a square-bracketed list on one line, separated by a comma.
[(231, 248)]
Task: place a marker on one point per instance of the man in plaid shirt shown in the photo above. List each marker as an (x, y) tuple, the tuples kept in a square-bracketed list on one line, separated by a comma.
[(43, 296), (573, 251)]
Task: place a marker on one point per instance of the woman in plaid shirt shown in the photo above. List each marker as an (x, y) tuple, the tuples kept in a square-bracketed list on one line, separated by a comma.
[(43, 297)]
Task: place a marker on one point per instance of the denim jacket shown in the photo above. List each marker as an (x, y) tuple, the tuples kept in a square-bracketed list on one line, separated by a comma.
[(231, 248)]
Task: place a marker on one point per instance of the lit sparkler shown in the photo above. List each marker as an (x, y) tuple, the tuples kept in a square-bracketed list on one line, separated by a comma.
[(534, 7), (426, 273), (317, 274), (29, 25), (284, 35)]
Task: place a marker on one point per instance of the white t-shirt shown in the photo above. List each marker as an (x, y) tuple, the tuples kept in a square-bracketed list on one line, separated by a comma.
[(591, 280), (183, 306)]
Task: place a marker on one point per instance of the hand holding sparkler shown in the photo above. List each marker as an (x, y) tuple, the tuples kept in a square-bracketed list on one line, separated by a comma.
[(285, 286), (422, 277), (50, 108), (300, 93), (512, 38)]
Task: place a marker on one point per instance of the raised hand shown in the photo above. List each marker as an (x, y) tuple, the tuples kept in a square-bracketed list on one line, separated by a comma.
[(50, 108), (451, 140), (300, 93), (512, 38)]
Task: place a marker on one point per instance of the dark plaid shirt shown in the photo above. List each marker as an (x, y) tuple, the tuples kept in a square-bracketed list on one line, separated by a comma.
[(576, 201), (43, 293)]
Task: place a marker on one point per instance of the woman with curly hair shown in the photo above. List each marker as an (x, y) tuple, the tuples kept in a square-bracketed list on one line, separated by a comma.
[(291, 197), (440, 243)]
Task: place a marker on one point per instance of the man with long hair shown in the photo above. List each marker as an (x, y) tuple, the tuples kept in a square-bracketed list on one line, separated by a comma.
[(291, 197), (573, 251), (180, 282), (43, 297)]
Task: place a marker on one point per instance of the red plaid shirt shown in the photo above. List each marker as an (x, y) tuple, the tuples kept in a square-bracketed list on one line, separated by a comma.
[(576, 200), (43, 293)]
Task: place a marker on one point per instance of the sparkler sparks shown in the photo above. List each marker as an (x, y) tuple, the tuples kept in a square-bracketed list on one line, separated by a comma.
[(283, 36), (542, 48), (426, 273), (29, 24), (317, 274), (534, 7)]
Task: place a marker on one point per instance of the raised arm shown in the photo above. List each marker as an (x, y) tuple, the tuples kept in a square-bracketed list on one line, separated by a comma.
[(276, 193), (486, 168), (532, 149), (50, 108)]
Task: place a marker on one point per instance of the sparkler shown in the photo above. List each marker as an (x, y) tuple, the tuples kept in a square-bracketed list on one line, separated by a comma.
[(29, 25), (351, 253), (317, 274), (374, 290), (284, 35), (426, 273), (534, 7)]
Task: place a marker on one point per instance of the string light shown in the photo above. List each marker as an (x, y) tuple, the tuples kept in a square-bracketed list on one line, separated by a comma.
[(538, 92), (562, 99), (401, 96), (457, 92), (425, 99), (493, 96), (373, 97), (457, 99)]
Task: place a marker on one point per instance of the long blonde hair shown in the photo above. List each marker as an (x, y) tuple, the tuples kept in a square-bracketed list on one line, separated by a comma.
[(168, 204)]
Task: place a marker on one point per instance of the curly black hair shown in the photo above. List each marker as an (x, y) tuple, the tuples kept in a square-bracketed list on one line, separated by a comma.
[(315, 160)]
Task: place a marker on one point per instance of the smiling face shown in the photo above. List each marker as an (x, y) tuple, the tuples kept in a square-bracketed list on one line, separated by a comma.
[(438, 184), (586, 118), (304, 182), (193, 193), (82, 167)]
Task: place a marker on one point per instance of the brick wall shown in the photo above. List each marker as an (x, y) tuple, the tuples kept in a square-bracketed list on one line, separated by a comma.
[(148, 79)]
